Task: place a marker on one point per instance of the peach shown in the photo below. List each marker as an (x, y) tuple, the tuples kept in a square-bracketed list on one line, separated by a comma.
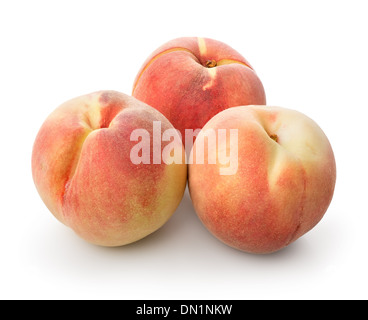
[(189, 80), (283, 184), (82, 169)]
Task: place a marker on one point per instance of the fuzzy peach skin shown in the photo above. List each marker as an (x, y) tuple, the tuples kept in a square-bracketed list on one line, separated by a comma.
[(82, 170), (189, 80), (283, 185)]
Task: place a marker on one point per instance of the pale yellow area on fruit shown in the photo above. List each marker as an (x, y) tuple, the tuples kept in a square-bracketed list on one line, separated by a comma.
[(202, 46), (223, 62), (94, 115), (90, 119), (299, 139), (278, 160), (172, 190), (78, 150), (91, 113), (300, 135), (212, 73)]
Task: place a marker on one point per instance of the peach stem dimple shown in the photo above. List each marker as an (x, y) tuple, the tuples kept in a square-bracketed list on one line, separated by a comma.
[(211, 63), (274, 137)]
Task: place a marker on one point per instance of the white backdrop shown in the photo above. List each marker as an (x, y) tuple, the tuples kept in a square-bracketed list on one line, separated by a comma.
[(311, 57)]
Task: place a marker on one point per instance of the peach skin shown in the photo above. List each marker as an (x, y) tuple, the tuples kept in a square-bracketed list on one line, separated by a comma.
[(83, 172), (283, 184), (189, 80)]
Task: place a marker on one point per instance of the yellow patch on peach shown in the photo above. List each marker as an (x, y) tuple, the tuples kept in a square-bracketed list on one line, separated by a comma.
[(212, 73), (202, 46)]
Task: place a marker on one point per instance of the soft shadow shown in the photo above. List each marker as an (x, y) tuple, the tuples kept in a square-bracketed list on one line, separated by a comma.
[(185, 237)]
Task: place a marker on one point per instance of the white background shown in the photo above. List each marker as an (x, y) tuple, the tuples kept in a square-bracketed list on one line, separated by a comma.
[(311, 56)]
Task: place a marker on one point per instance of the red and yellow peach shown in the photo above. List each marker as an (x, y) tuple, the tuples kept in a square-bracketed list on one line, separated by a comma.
[(82, 169), (189, 80), (283, 184)]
